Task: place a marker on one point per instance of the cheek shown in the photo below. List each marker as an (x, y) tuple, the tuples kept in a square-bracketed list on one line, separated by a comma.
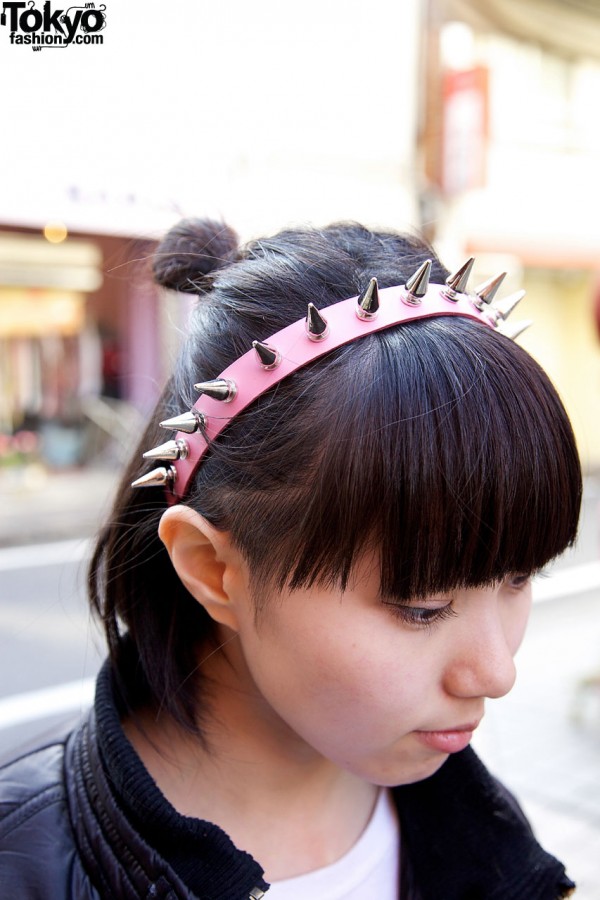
[(516, 618), (348, 689), (334, 680)]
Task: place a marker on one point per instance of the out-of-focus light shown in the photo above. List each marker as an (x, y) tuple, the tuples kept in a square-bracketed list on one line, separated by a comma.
[(457, 46), (55, 232)]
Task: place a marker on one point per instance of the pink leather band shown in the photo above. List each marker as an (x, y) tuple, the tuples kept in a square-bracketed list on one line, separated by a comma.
[(297, 350)]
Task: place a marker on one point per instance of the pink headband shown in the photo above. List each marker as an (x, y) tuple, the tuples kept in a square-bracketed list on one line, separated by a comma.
[(300, 343)]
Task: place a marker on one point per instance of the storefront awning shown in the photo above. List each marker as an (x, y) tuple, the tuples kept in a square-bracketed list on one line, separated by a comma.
[(31, 261), (567, 27), (36, 312)]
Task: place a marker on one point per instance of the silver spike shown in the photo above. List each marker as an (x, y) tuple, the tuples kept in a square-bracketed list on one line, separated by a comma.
[(513, 331), (268, 356), (367, 304), (156, 478), (457, 283), (188, 422), (418, 283), (220, 389), (503, 308), (317, 328), (170, 450), (485, 293)]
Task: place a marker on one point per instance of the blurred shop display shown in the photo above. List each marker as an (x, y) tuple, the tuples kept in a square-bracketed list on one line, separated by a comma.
[(74, 368)]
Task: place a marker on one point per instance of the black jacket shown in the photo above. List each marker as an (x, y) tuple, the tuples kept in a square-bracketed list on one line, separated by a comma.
[(65, 835)]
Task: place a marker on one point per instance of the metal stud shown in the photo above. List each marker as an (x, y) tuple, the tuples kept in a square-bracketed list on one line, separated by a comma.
[(220, 389), (170, 450), (513, 331), (188, 422), (485, 293), (503, 308), (457, 283), (367, 304), (417, 284), (156, 478), (268, 356), (317, 328)]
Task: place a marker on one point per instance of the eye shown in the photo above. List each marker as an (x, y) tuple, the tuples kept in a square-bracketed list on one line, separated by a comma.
[(518, 582), (421, 616)]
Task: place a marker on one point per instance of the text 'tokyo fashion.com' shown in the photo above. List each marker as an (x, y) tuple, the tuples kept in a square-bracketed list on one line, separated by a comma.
[(51, 28)]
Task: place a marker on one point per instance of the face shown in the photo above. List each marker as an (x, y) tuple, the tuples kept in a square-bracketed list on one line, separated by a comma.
[(383, 691)]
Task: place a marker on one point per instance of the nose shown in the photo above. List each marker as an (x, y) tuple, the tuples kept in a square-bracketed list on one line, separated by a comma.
[(481, 664)]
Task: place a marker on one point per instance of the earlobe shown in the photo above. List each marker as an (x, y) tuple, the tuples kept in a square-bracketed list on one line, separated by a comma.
[(204, 559)]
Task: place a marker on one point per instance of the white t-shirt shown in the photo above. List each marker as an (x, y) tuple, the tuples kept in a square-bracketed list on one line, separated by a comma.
[(369, 869)]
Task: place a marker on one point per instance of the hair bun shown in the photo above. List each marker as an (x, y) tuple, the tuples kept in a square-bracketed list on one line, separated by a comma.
[(192, 249)]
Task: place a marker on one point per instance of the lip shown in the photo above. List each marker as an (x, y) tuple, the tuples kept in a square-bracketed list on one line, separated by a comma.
[(450, 740)]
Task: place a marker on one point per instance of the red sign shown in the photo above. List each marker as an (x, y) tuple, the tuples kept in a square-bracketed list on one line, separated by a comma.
[(465, 129)]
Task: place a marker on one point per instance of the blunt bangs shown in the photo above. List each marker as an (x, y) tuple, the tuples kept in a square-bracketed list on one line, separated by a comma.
[(440, 444)]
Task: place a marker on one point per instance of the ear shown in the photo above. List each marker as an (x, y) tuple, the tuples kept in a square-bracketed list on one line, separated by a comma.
[(206, 561)]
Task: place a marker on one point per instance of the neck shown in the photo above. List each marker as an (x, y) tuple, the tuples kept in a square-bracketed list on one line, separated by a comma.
[(276, 797)]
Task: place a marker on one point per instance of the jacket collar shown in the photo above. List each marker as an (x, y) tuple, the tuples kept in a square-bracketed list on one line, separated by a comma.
[(466, 837), (118, 852)]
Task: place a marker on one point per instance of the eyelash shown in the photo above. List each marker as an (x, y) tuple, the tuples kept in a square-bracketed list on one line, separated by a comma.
[(425, 617), (518, 582), (421, 616)]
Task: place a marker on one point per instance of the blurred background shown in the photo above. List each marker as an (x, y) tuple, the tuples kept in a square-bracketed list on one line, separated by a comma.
[(475, 122)]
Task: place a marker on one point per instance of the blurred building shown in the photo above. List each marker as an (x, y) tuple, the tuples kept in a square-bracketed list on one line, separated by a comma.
[(473, 119), (511, 154)]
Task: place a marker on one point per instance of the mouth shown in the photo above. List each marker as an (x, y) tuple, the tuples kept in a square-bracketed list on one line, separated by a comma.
[(448, 740)]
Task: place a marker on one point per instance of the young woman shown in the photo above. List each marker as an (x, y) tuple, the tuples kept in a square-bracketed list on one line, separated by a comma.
[(309, 590)]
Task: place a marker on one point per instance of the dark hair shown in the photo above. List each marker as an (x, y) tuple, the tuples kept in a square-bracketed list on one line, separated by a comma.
[(439, 443)]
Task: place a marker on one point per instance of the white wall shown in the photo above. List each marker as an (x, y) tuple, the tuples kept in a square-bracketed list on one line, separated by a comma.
[(266, 113)]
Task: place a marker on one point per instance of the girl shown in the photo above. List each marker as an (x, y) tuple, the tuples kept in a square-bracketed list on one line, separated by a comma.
[(309, 590)]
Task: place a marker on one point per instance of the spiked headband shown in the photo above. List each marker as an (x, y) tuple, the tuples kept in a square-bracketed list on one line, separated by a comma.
[(268, 363)]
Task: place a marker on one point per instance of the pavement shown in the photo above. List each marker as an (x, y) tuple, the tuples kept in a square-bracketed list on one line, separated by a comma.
[(543, 740), (38, 505)]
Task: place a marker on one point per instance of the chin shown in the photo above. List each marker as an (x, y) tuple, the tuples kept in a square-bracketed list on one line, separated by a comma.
[(421, 770)]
